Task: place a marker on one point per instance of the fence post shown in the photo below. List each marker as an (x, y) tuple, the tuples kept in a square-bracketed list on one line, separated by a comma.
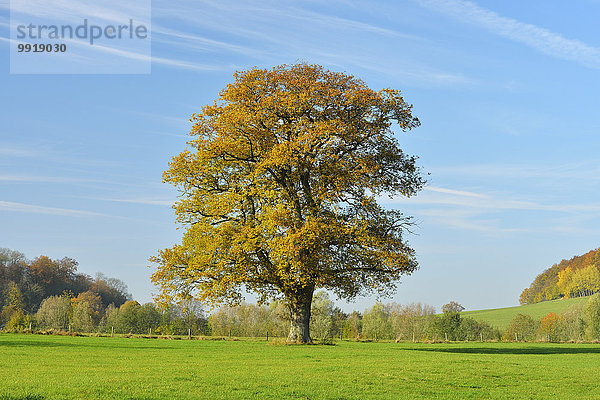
[(112, 331), (190, 333), (150, 331), (446, 335), (516, 337), (481, 336), (267, 336)]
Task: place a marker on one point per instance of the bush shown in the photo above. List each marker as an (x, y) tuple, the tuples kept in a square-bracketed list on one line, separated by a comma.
[(522, 328), (376, 323), (571, 326), (591, 316), (471, 330), (321, 320), (413, 321), (54, 313)]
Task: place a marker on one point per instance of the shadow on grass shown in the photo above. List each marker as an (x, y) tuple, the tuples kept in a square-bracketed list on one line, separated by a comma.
[(538, 350), (23, 397), (99, 344)]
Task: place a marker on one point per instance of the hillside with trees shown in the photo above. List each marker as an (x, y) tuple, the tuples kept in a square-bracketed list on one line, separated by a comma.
[(26, 286), (579, 276), (47, 294)]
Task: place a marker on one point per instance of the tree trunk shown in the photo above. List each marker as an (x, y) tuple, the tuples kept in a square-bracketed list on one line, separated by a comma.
[(299, 306)]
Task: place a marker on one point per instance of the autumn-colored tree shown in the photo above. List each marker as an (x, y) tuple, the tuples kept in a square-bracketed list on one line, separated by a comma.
[(279, 192), (579, 276), (54, 276), (87, 311), (548, 325), (111, 290), (588, 280), (565, 281)]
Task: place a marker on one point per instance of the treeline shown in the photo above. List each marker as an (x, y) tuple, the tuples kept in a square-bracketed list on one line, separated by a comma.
[(47, 294), (579, 276), (44, 277), (83, 314), (413, 322), (579, 323), (26, 284), (393, 321)]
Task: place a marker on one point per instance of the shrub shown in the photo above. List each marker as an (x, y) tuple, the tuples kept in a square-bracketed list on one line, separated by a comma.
[(522, 327), (54, 313), (591, 316)]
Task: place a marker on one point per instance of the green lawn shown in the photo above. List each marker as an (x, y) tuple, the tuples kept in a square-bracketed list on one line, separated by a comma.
[(58, 367), (501, 317)]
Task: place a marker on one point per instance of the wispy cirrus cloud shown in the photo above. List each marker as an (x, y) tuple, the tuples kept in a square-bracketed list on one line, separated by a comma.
[(31, 208), (587, 170), (538, 38), (491, 202), (455, 192), (14, 151), (22, 178), (198, 42), (495, 213), (168, 61), (145, 201), (267, 33), (63, 10)]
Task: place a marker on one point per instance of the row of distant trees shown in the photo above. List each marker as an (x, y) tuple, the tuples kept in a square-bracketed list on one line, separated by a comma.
[(50, 294), (415, 322), (26, 284), (83, 314), (577, 323)]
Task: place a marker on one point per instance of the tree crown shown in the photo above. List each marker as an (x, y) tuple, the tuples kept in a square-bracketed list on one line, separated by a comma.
[(279, 189)]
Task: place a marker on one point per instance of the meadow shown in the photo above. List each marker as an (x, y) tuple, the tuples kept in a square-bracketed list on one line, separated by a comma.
[(501, 317), (36, 367)]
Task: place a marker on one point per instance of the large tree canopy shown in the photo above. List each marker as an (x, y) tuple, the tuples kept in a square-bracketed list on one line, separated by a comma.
[(279, 192)]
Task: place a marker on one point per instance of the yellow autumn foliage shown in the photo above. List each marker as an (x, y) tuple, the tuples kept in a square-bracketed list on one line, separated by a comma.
[(279, 190)]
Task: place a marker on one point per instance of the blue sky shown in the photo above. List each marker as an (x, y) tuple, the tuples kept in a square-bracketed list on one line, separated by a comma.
[(507, 93)]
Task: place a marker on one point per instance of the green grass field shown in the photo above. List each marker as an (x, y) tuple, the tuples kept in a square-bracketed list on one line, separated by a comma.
[(61, 367), (501, 317)]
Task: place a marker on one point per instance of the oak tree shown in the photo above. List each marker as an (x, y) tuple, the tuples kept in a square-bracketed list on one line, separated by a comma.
[(280, 188)]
